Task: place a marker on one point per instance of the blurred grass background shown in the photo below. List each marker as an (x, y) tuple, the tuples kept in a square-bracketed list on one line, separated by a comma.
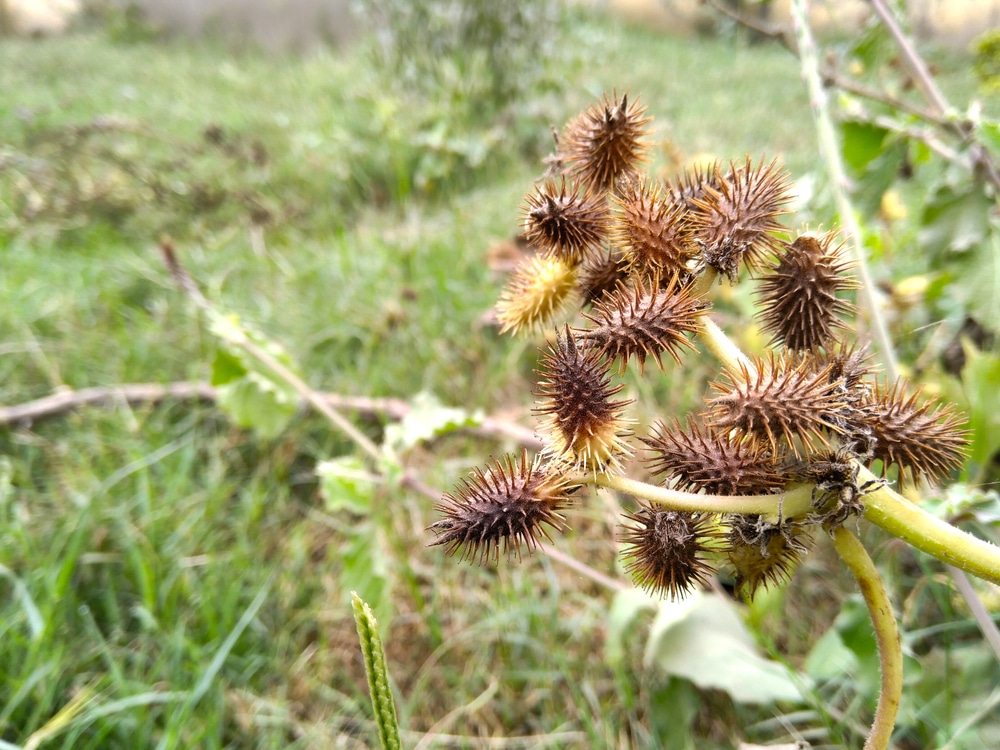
[(180, 577)]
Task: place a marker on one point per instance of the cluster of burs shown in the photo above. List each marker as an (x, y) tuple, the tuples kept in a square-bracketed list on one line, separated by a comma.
[(635, 259)]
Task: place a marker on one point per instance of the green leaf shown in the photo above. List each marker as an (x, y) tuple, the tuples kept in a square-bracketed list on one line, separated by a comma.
[(346, 484), (980, 377), (703, 639), (829, 658), (427, 418), (254, 395), (226, 368), (625, 608), (674, 705), (861, 142), (955, 218), (366, 570), (255, 403)]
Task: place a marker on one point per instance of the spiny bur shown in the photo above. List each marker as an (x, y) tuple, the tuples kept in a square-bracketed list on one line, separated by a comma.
[(643, 323), (605, 141), (798, 293), (564, 222), (665, 550), (927, 439), (716, 463), (583, 426), (506, 506), (537, 293), (736, 215)]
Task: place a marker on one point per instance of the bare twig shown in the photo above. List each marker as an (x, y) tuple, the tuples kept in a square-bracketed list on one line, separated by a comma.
[(135, 394), (774, 31)]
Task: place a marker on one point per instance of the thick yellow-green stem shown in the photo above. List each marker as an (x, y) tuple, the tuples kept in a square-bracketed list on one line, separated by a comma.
[(795, 502), (890, 649), (900, 517)]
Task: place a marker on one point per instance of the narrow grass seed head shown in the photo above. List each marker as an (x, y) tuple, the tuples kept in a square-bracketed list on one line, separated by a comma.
[(655, 235), (643, 322), (506, 506), (583, 427), (538, 291), (798, 297), (665, 550), (605, 142), (563, 222), (736, 214), (779, 398), (763, 553), (928, 439), (716, 463)]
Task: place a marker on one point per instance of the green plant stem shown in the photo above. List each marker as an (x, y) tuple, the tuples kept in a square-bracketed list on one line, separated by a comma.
[(890, 650), (884, 507), (795, 502), (830, 149), (901, 518)]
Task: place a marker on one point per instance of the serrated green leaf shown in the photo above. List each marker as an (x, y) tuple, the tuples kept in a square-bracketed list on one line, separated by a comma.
[(625, 608), (252, 394), (346, 484), (861, 142), (955, 218), (703, 639), (254, 403)]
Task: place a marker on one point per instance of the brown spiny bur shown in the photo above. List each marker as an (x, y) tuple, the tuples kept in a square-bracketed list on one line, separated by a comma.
[(583, 425), (779, 398), (763, 553), (736, 214), (505, 506), (928, 439), (538, 291), (600, 275), (798, 295), (716, 463), (565, 222), (665, 551), (690, 185), (605, 142), (643, 322), (654, 234)]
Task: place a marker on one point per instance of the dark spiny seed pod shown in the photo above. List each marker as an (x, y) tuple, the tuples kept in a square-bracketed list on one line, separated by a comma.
[(601, 275), (799, 299), (655, 235), (927, 439), (735, 216), (849, 368), (584, 427), (714, 463), (641, 323), (665, 551), (691, 184), (538, 291), (763, 553), (565, 223), (507, 505), (605, 142), (779, 398)]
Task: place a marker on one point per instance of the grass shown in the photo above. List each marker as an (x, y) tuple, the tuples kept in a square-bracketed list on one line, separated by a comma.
[(184, 580)]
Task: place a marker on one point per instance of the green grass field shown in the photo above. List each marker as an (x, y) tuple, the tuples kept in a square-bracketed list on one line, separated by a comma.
[(171, 580)]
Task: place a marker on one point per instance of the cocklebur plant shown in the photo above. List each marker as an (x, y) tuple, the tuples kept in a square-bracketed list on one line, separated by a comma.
[(788, 438)]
